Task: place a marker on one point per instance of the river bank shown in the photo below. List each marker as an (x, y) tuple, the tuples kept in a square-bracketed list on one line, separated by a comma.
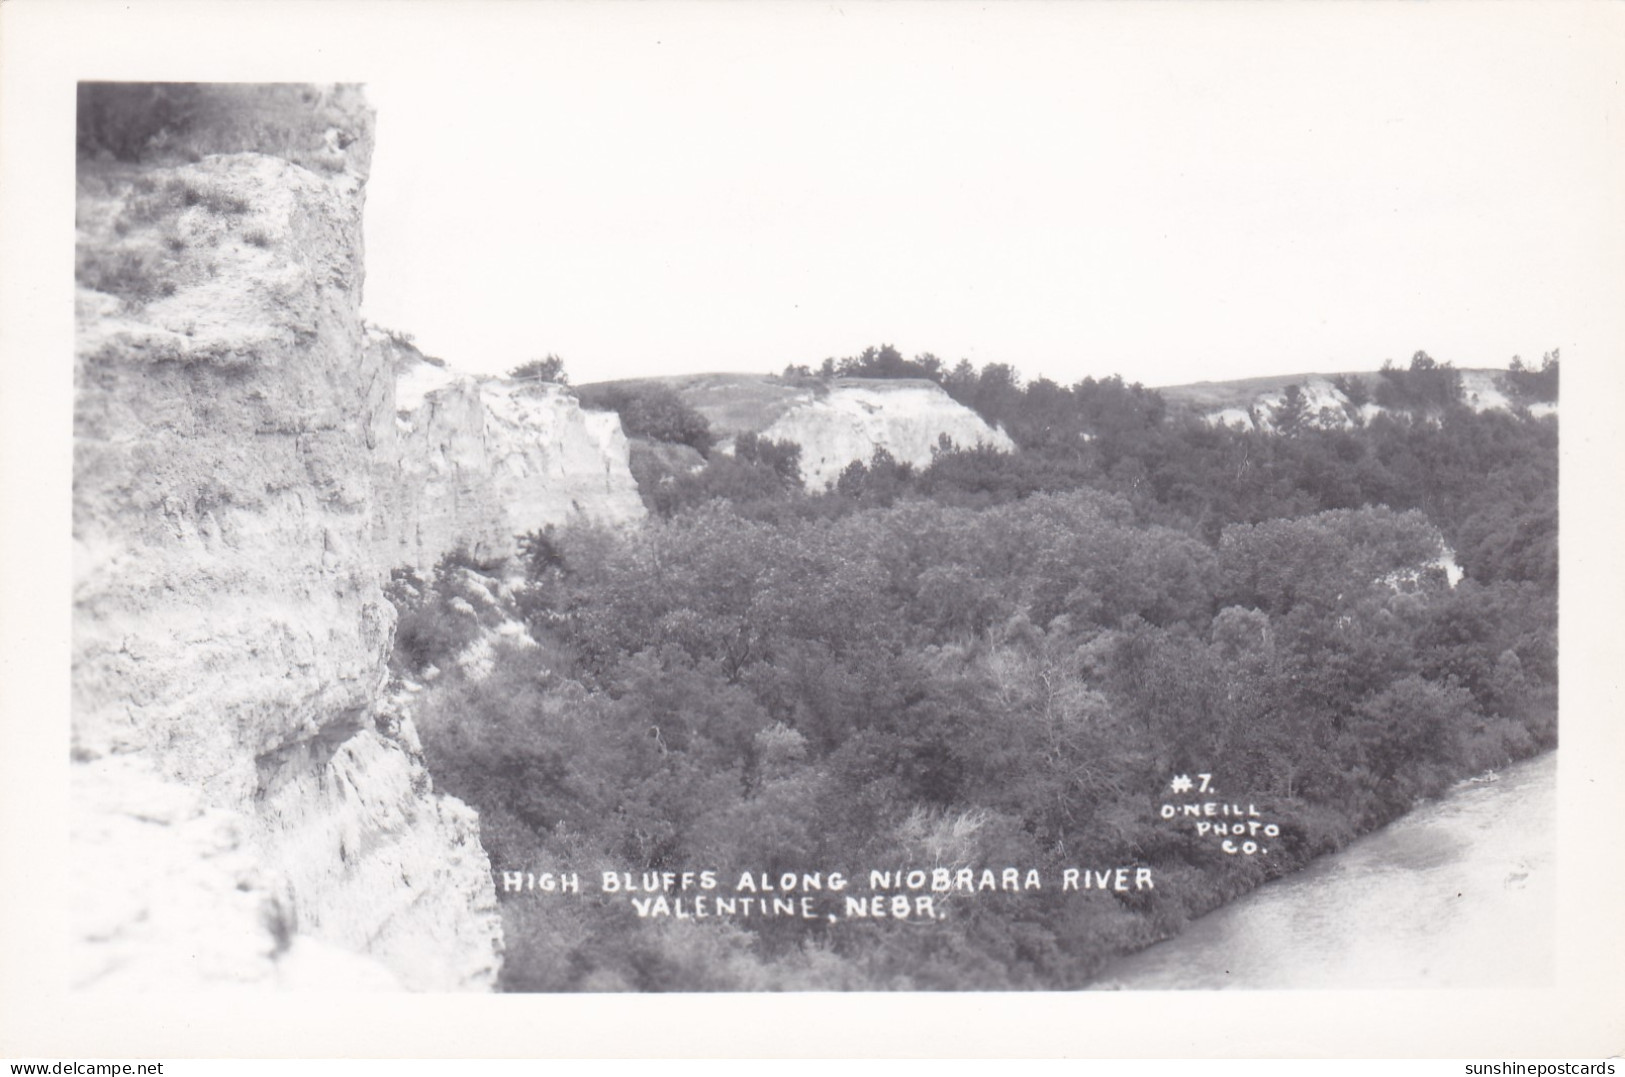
[(1458, 893)]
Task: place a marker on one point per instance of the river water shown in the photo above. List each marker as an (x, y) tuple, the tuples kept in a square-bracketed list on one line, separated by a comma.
[(1458, 893)]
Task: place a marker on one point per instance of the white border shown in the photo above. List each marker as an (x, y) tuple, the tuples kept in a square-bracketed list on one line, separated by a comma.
[(46, 46)]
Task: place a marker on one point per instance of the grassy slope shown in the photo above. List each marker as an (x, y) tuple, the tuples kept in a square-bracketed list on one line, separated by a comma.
[(1213, 395), (735, 403)]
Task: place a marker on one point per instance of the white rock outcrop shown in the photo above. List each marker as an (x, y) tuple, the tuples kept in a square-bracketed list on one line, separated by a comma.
[(268, 822), (856, 416), (836, 421), (479, 460), (1327, 408), (1481, 393)]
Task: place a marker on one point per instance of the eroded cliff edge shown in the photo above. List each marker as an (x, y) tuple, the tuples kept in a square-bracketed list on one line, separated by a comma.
[(267, 819), (467, 462)]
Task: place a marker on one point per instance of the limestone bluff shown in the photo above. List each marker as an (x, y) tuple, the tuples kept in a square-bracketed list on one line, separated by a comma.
[(234, 766), (469, 462), (250, 463)]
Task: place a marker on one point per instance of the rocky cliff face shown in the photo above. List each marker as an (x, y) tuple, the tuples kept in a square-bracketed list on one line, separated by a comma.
[(1327, 408), (267, 819), (835, 421), (478, 460), (858, 416)]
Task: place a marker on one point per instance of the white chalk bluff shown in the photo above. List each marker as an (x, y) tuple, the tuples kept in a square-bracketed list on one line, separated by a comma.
[(472, 461), (836, 421), (856, 417), (247, 811)]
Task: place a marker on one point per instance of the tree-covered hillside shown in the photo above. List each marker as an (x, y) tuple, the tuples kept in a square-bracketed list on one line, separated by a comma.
[(997, 661)]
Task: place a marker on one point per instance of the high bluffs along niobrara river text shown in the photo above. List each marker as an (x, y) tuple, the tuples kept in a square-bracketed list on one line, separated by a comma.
[(359, 639)]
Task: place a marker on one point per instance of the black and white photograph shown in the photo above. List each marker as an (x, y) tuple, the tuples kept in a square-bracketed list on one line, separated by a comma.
[(796, 504)]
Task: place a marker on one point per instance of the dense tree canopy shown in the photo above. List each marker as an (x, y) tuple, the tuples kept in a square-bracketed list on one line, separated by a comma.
[(652, 411), (997, 659)]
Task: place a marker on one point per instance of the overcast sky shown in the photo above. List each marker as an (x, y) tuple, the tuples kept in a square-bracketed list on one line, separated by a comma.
[(1172, 193)]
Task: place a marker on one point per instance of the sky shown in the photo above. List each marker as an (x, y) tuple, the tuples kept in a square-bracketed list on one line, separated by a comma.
[(1169, 192)]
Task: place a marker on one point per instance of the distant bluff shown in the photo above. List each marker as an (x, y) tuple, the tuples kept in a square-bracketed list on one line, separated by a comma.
[(836, 421), (1256, 403)]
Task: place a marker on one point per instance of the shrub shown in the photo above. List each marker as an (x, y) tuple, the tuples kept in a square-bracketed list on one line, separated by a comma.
[(653, 411), (307, 125), (191, 193), (123, 118), (436, 619), (887, 362), (548, 369), (743, 482), (1428, 385), (1354, 388), (133, 276), (783, 458), (538, 552), (1528, 384)]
